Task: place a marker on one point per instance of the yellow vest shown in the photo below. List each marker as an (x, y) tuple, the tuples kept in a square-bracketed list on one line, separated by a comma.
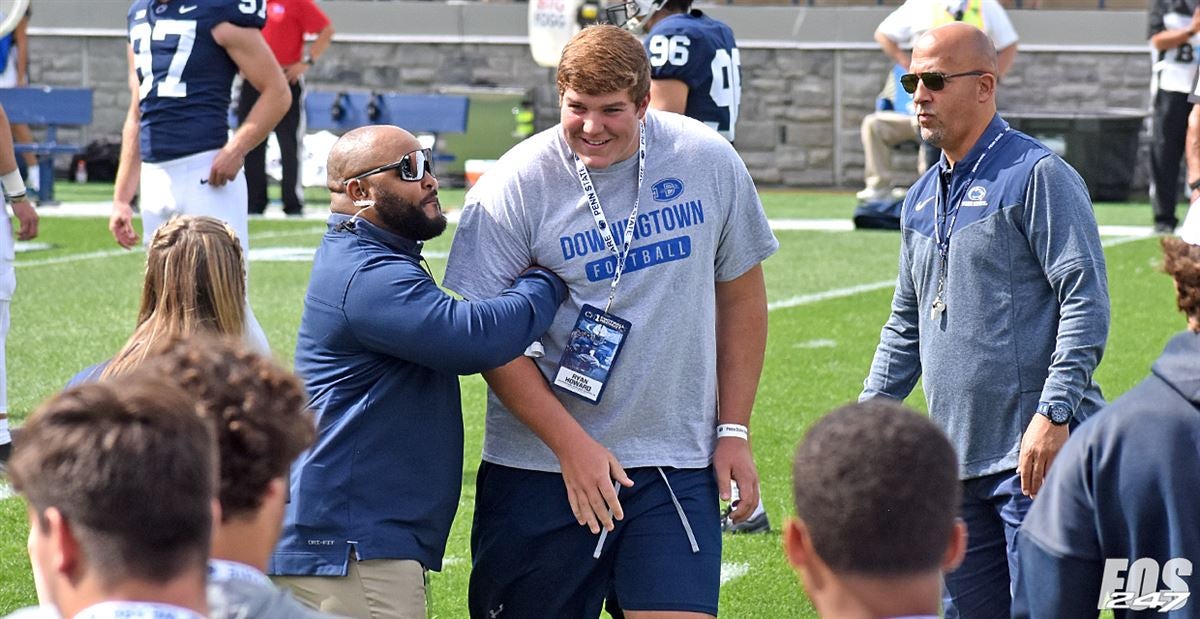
[(972, 14)]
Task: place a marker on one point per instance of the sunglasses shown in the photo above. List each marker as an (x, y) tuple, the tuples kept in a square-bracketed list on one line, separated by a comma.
[(412, 166), (933, 80)]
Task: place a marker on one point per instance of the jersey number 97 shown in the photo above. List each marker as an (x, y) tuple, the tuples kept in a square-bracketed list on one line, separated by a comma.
[(250, 7)]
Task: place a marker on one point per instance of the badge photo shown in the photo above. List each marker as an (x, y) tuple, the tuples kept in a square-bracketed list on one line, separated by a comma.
[(590, 353)]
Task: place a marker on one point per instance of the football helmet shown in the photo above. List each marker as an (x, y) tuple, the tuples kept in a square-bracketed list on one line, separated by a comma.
[(632, 14)]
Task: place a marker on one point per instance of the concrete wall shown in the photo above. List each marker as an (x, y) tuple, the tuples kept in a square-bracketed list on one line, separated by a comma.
[(809, 75)]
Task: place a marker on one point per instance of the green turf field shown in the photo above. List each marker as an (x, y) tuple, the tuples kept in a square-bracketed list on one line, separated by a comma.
[(76, 302)]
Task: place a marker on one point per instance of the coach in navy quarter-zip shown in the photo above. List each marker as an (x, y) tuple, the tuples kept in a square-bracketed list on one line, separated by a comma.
[(380, 349), (1001, 304)]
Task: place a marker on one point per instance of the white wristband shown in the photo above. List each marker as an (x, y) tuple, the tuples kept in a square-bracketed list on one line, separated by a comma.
[(13, 185), (733, 429)]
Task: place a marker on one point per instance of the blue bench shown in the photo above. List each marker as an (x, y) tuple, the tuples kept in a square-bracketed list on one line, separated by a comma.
[(342, 111), (52, 107)]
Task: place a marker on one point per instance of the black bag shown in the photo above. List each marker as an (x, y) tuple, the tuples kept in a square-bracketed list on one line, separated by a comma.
[(878, 215), (100, 158)]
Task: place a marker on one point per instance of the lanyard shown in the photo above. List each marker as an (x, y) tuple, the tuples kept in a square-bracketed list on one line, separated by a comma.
[(589, 190), (230, 571), (135, 610), (941, 211)]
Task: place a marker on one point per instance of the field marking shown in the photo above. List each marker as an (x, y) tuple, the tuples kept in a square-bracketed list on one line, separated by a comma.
[(140, 249), (305, 254), (826, 295), (846, 225), (820, 343), (733, 571), (849, 291)]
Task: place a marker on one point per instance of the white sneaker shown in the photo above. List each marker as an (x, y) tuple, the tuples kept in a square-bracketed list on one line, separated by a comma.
[(873, 195)]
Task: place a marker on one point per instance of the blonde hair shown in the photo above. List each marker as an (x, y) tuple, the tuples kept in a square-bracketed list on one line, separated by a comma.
[(195, 283)]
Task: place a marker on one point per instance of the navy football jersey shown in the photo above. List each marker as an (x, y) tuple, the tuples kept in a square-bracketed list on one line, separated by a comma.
[(185, 74), (700, 52)]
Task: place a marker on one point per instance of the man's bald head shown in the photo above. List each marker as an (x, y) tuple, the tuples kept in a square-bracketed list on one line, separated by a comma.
[(365, 148), (968, 48)]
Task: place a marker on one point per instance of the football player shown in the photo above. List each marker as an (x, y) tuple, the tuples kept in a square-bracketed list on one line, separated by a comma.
[(694, 63), (183, 56)]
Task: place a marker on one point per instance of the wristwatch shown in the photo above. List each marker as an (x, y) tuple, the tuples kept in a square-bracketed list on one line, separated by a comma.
[(309, 60), (1058, 414)]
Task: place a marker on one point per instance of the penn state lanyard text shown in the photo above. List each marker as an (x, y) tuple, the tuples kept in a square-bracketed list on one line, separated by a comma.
[(593, 200), (220, 571), (135, 610), (940, 213)]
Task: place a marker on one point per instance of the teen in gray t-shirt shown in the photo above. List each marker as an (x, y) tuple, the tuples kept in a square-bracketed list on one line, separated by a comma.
[(646, 462), (700, 221)]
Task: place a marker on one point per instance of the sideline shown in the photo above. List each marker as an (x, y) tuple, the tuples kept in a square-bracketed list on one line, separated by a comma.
[(849, 291)]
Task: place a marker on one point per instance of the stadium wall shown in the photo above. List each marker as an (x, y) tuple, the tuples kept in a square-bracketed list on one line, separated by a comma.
[(809, 74)]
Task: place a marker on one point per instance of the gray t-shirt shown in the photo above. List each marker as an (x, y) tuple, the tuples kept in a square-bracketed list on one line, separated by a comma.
[(699, 222)]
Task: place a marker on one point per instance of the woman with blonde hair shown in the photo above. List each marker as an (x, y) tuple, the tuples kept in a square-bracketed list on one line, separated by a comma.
[(195, 283)]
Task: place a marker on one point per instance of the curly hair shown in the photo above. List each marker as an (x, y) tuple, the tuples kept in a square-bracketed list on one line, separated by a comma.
[(1181, 260), (258, 411), (195, 283)]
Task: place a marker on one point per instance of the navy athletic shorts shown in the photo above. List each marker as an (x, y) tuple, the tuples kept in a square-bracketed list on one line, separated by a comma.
[(532, 559)]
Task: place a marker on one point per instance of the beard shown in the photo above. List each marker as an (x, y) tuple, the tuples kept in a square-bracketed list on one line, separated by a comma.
[(408, 218), (933, 135)]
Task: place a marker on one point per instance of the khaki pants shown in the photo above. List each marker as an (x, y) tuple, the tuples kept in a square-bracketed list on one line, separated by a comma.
[(379, 589), (880, 132)]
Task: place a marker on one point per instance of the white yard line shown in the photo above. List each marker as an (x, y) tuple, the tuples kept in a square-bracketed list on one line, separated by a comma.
[(836, 293), (733, 571), (139, 249), (849, 291)]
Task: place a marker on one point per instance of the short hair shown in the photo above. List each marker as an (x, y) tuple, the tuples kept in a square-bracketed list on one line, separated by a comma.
[(602, 59), (679, 6), (257, 410), (1181, 260), (131, 467), (877, 487), (195, 283)]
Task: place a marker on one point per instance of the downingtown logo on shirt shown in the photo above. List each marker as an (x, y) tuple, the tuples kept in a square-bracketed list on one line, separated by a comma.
[(666, 189)]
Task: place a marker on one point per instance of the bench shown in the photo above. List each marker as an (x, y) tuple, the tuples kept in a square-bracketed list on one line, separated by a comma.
[(51, 107), (342, 111)]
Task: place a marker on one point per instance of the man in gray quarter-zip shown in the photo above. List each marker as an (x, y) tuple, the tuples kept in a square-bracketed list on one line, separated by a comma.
[(1001, 305)]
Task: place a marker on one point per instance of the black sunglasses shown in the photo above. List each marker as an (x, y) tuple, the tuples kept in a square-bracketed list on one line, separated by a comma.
[(933, 80), (412, 166)]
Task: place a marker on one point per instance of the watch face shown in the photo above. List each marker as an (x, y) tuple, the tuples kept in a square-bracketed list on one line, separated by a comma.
[(1058, 414)]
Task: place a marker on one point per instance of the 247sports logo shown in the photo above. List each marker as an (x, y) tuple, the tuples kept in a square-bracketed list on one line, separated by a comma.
[(1135, 587)]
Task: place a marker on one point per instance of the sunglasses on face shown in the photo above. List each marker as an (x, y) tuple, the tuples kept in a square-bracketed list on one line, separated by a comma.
[(412, 166), (933, 80)]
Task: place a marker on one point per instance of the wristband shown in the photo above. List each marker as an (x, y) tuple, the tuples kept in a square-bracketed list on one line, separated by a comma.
[(733, 429), (14, 187)]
